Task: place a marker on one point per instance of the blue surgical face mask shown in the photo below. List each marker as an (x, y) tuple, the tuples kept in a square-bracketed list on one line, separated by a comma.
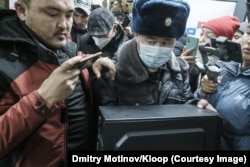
[(154, 56)]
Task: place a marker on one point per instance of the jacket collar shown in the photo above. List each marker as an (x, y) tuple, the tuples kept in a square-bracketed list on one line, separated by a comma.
[(14, 31), (234, 68), (130, 69)]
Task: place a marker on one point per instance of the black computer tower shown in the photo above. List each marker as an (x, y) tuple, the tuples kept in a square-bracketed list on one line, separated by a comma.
[(158, 127)]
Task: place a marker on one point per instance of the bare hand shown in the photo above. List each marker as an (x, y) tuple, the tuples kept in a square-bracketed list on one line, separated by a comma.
[(205, 105), (191, 60), (104, 62), (127, 31), (207, 86), (61, 82)]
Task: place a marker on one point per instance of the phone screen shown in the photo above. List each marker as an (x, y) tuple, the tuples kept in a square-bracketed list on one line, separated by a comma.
[(192, 42), (125, 22)]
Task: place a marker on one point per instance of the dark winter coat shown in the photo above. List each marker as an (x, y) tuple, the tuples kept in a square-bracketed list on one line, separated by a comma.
[(134, 85)]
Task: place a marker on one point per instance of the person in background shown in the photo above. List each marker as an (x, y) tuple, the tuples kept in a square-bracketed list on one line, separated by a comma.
[(221, 26), (103, 34), (231, 98), (148, 72), (180, 44), (122, 12), (239, 33), (80, 19), (44, 101), (125, 23), (224, 26)]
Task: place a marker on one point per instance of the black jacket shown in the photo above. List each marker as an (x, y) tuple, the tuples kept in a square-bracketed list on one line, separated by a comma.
[(76, 35), (134, 85)]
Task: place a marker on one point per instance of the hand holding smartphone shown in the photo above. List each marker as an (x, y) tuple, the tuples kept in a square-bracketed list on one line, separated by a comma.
[(125, 22), (192, 42), (87, 61)]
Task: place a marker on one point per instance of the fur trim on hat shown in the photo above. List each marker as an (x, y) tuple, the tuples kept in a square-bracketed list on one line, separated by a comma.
[(162, 18)]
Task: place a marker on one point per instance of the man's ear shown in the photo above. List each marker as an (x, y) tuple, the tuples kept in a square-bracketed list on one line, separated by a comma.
[(21, 10)]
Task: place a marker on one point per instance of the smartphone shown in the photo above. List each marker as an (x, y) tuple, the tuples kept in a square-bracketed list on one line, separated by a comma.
[(87, 61), (125, 22), (233, 49), (192, 42)]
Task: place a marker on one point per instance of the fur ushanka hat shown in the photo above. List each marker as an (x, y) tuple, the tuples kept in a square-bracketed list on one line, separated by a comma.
[(163, 18)]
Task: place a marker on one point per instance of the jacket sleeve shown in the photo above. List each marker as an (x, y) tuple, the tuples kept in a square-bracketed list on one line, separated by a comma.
[(104, 91), (187, 89), (187, 93), (18, 117)]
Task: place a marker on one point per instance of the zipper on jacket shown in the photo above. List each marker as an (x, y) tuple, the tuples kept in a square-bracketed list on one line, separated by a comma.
[(159, 91)]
